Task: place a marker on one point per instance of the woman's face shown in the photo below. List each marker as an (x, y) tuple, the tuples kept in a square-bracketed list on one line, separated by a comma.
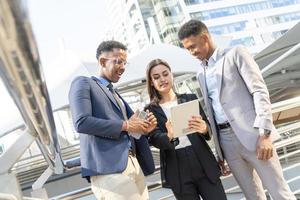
[(161, 78)]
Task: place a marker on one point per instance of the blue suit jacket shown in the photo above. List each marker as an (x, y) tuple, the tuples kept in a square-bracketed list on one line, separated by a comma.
[(98, 119)]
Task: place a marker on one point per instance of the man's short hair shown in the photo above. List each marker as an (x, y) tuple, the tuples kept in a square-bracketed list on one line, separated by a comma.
[(107, 46), (192, 27)]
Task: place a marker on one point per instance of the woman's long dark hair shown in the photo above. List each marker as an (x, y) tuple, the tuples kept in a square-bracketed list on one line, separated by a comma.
[(154, 95)]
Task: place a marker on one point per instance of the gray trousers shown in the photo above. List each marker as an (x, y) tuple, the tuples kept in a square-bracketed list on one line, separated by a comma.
[(251, 173)]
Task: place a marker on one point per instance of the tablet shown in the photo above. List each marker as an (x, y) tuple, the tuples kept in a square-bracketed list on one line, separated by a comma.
[(180, 116)]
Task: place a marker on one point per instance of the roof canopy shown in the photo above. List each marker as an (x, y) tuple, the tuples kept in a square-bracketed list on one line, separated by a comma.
[(279, 47), (280, 65), (179, 59)]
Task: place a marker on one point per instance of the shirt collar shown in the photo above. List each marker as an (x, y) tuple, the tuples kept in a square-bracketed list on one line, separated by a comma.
[(103, 81), (212, 60), (214, 56)]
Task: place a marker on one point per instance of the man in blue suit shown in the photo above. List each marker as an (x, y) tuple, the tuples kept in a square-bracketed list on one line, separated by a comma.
[(111, 158)]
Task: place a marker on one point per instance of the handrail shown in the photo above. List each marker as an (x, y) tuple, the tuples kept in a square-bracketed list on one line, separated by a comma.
[(157, 184), (289, 127), (166, 197), (74, 194), (289, 154), (40, 159), (279, 144), (286, 142), (4, 196)]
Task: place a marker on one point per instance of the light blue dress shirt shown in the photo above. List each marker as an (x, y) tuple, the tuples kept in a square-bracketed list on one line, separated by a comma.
[(212, 88)]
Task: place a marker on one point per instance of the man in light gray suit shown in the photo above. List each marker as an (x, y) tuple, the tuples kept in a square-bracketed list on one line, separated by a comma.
[(239, 112)]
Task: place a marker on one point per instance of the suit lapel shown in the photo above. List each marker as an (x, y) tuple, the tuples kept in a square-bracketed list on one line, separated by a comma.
[(219, 70), (161, 112), (202, 80), (107, 92), (160, 116), (129, 112)]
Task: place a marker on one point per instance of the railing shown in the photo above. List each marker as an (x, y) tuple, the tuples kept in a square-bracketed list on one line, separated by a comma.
[(74, 194), (232, 190), (87, 190), (7, 196), (287, 152), (4, 196), (279, 144)]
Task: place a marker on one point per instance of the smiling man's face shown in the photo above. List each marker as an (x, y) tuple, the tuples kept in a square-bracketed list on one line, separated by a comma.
[(113, 64), (198, 45)]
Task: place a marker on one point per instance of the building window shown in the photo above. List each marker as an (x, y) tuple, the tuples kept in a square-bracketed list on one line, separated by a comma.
[(278, 34), (136, 27), (169, 31), (281, 3), (192, 2), (157, 1), (167, 12), (228, 28), (277, 19), (132, 10), (172, 11), (229, 11), (247, 41)]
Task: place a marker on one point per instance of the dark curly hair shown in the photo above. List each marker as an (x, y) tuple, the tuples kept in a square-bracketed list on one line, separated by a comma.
[(107, 46), (192, 27)]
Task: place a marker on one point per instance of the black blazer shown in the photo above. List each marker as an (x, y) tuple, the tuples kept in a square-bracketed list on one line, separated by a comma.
[(169, 167)]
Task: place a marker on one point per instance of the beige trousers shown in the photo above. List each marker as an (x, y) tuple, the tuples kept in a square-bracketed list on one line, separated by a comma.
[(128, 185), (251, 173)]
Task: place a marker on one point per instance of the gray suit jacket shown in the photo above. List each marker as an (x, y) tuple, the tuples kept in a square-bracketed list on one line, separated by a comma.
[(243, 95)]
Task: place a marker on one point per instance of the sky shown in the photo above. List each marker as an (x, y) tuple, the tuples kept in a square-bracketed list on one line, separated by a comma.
[(59, 26), (78, 25)]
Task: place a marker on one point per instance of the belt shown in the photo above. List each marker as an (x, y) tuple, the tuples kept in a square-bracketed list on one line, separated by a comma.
[(224, 125), (131, 153)]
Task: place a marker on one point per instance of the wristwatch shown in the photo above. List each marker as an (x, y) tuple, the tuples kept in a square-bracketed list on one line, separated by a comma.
[(267, 132)]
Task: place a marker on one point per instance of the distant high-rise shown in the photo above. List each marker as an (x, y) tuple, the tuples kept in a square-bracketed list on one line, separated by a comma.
[(254, 23), (127, 24)]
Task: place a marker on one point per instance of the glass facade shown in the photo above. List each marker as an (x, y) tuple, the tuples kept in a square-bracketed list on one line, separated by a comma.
[(243, 21), (229, 11), (277, 19), (247, 41), (228, 28), (260, 22), (192, 2), (169, 15), (269, 14), (280, 3), (273, 3), (233, 10)]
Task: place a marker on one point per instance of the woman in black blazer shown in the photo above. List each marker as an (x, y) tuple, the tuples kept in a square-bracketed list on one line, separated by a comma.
[(188, 165)]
